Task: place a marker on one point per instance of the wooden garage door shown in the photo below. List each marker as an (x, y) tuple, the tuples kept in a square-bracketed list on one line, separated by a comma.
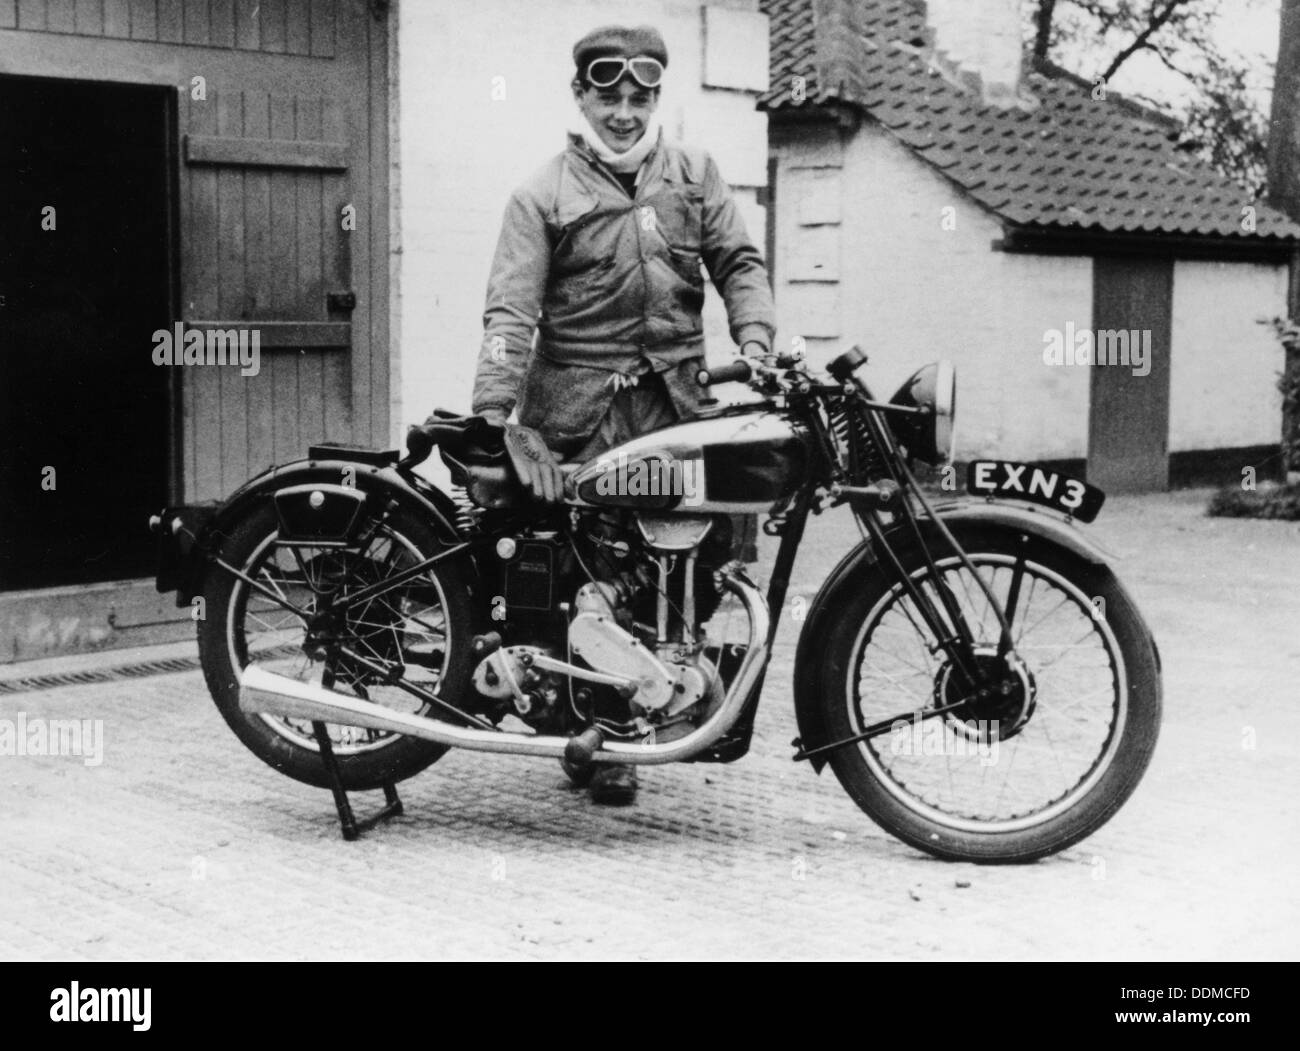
[(281, 126), (266, 184), (1128, 431)]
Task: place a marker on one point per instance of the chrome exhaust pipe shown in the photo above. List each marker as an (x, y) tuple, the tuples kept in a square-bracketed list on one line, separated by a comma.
[(267, 693)]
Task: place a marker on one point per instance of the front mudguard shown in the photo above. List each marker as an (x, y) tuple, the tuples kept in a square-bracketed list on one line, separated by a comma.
[(190, 537), (850, 574)]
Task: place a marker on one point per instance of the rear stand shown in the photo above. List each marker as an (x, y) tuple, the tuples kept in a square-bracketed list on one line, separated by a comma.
[(350, 826)]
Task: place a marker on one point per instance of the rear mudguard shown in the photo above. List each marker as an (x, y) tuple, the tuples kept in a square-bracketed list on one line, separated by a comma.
[(185, 553), (849, 577)]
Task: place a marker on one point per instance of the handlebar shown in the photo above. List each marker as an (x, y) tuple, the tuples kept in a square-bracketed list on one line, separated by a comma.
[(743, 369), (737, 370)]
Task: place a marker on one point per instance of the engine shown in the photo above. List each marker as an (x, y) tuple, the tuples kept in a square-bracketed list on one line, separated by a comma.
[(604, 622)]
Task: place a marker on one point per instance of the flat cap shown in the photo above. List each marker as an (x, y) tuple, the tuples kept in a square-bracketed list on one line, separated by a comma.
[(620, 41)]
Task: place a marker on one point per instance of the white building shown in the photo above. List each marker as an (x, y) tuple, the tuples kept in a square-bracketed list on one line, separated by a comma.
[(933, 201)]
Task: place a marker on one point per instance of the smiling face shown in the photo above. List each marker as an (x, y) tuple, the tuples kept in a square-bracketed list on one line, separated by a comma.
[(620, 113)]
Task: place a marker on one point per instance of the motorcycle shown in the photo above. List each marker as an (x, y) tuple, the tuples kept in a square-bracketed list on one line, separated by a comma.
[(973, 672)]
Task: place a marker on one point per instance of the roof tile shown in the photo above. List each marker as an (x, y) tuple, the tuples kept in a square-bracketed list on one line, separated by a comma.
[(1077, 163)]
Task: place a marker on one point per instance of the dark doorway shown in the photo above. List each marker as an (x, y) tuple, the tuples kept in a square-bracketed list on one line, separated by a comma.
[(79, 392), (1128, 427)]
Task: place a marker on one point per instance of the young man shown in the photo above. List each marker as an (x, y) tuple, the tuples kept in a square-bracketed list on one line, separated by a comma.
[(598, 265)]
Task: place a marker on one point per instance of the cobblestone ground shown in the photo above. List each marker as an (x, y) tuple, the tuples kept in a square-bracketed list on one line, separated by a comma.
[(181, 845)]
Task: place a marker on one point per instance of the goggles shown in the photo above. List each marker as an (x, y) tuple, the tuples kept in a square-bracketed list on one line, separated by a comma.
[(606, 72)]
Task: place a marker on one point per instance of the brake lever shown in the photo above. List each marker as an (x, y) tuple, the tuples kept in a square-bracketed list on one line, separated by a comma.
[(785, 373)]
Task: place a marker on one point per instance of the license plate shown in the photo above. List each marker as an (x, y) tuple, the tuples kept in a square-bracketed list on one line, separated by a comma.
[(1037, 485)]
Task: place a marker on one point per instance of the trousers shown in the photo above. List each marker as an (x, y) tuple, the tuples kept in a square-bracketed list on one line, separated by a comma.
[(637, 409)]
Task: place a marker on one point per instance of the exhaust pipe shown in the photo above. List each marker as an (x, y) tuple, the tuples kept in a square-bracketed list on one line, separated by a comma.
[(267, 693)]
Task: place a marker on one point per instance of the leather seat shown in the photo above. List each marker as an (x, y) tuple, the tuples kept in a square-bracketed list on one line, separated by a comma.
[(474, 451)]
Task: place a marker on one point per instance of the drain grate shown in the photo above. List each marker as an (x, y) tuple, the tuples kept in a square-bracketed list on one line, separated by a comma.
[(86, 678), (142, 670)]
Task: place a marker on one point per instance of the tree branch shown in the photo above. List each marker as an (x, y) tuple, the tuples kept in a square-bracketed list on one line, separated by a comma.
[(1043, 36), (1141, 42)]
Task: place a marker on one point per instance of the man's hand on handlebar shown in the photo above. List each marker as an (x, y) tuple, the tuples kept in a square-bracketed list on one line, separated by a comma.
[(744, 368)]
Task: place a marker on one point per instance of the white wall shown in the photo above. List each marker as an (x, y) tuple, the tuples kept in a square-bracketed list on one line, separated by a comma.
[(910, 291), (982, 36), (1223, 370), (863, 257), (460, 152)]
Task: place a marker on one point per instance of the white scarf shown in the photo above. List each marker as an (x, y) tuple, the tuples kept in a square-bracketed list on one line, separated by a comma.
[(630, 159)]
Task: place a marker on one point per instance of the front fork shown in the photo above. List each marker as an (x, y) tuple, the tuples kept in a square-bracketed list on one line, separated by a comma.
[(954, 635), (949, 629), (950, 632)]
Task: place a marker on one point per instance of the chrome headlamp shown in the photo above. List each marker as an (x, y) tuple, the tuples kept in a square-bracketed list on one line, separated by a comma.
[(928, 434)]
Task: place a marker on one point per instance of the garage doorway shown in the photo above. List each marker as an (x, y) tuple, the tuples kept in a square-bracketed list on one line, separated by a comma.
[(1128, 425), (85, 279)]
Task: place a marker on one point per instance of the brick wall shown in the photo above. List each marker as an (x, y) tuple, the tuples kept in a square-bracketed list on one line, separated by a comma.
[(483, 101)]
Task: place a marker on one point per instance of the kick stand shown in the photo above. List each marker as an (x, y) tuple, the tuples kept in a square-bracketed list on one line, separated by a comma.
[(352, 828)]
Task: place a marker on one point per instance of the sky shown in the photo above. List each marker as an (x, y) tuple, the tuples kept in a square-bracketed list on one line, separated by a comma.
[(1248, 27)]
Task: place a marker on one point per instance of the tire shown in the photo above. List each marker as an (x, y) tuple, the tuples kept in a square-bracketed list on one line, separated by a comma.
[(404, 622), (927, 780)]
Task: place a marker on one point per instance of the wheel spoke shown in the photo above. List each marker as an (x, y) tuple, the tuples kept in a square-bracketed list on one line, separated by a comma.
[(961, 773), (402, 610)]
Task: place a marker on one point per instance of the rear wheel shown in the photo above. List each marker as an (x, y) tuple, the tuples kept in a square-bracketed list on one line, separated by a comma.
[(420, 626), (1035, 762)]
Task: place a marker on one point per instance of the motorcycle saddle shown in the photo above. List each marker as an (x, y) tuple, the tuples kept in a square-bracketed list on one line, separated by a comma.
[(474, 451)]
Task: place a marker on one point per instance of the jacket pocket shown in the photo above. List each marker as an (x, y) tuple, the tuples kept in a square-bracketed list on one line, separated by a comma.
[(571, 208), (579, 279), (687, 264), (573, 214), (577, 264), (563, 402), (680, 214)]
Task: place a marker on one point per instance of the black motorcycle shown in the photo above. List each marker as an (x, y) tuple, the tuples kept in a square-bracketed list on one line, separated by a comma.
[(974, 673)]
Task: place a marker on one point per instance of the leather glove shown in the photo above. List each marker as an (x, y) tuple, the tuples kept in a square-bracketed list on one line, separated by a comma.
[(419, 441), (535, 464)]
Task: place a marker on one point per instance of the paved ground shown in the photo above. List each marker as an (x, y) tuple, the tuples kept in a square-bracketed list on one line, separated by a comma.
[(181, 845)]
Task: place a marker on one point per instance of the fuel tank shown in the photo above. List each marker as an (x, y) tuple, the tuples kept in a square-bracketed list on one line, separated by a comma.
[(739, 460)]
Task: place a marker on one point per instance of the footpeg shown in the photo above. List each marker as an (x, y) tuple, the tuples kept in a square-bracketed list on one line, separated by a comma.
[(582, 747)]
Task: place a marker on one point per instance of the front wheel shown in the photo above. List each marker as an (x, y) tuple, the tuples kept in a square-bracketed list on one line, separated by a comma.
[(1034, 761)]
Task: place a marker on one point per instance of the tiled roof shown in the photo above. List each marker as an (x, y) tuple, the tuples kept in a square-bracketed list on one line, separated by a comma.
[(1071, 164)]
